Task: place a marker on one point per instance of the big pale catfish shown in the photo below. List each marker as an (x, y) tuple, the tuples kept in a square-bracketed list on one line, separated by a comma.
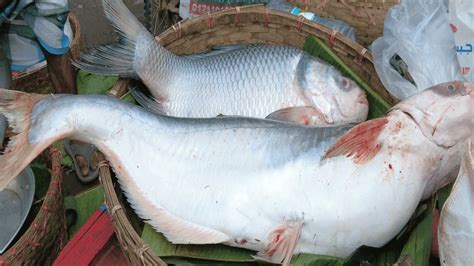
[(259, 184)]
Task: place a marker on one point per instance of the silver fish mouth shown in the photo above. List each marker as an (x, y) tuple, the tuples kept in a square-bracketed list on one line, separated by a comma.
[(362, 99)]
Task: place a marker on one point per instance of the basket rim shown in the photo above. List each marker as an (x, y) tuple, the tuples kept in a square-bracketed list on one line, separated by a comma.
[(262, 10)]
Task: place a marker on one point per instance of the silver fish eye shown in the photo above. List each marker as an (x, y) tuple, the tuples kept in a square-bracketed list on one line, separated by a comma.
[(451, 87)]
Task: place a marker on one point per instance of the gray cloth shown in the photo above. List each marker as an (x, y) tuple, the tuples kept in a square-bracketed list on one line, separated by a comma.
[(28, 26)]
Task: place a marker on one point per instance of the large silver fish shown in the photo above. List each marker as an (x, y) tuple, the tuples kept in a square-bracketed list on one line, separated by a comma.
[(257, 80), (254, 183)]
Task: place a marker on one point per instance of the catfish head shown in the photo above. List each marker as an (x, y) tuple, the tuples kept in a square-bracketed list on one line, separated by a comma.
[(444, 113)]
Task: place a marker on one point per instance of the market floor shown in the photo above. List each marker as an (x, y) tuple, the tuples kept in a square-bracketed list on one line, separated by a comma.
[(95, 27)]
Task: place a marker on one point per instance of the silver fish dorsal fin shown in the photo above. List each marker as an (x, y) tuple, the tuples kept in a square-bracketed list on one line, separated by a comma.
[(303, 115)]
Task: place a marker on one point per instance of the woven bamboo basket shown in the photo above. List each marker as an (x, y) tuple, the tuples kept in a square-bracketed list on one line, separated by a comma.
[(38, 80), (251, 24), (366, 16), (47, 234)]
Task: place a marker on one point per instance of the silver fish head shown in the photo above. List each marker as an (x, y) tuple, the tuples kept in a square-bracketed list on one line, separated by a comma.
[(339, 99), (444, 113)]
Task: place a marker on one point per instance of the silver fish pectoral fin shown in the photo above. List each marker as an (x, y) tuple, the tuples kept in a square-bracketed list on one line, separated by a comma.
[(282, 243), (303, 115), (137, 89)]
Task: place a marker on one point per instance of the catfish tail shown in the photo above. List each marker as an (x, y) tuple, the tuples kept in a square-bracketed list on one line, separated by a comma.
[(115, 59), (18, 153)]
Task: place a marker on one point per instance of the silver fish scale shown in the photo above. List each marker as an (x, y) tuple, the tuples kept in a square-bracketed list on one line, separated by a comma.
[(251, 81)]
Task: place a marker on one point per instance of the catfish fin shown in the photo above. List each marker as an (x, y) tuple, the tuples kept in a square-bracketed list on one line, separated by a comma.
[(217, 50), (303, 115), (281, 243), (360, 142), (137, 89), (17, 108)]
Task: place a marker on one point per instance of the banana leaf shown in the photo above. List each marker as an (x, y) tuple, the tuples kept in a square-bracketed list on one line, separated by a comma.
[(443, 195), (216, 253), (88, 83), (418, 248)]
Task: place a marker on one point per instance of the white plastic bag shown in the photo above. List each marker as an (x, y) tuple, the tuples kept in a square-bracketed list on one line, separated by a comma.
[(461, 15), (456, 222), (417, 31)]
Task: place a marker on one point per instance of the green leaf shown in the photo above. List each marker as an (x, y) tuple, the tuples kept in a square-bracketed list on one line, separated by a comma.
[(418, 248), (377, 105), (66, 159), (88, 83), (163, 248), (443, 195), (304, 259), (42, 178)]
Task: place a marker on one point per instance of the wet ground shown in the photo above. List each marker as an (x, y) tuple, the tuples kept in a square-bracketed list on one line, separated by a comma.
[(95, 28)]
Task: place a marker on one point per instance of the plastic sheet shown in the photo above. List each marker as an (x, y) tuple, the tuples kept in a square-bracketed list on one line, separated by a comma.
[(461, 15), (418, 32), (456, 224)]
